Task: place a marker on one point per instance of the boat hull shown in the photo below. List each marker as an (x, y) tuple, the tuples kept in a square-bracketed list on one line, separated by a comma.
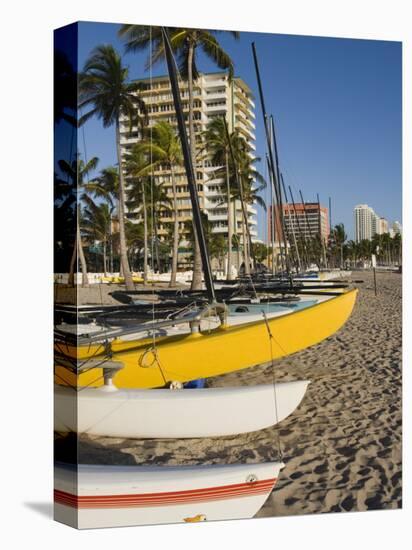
[(219, 351), (175, 413), (115, 496)]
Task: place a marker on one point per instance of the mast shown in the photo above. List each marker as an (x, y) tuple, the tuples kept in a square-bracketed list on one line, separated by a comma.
[(306, 218), (301, 232), (298, 265), (330, 214), (272, 220), (267, 132), (278, 178), (322, 242), (282, 238), (191, 180)]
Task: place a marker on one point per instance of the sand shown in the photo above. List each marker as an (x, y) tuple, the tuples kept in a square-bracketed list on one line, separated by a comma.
[(341, 447)]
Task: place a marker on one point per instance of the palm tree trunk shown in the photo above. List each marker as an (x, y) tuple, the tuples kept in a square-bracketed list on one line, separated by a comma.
[(124, 262), (197, 260), (70, 281), (244, 232), (175, 250), (245, 248), (85, 279), (111, 247), (104, 259), (236, 236), (156, 241), (229, 224), (145, 233)]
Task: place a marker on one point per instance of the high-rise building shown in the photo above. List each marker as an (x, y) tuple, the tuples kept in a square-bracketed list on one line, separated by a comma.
[(365, 222), (214, 96), (308, 219), (397, 228), (368, 223), (383, 226), (375, 223)]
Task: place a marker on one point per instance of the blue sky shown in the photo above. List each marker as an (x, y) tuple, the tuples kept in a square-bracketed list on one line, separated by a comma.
[(337, 105)]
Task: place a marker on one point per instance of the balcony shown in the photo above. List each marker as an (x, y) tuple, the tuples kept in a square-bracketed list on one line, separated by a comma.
[(217, 218), (216, 108), (216, 95), (245, 120), (245, 130)]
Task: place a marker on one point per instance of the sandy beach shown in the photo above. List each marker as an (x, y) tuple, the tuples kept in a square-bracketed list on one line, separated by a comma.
[(342, 446)]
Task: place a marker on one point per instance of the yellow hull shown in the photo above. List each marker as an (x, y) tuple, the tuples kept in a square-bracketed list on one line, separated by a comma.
[(120, 280), (222, 350)]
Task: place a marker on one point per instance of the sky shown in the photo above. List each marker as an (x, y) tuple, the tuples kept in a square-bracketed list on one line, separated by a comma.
[(337, 106)]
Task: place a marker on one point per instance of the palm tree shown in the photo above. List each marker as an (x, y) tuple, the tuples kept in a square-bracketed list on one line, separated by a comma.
[(340, 238), (247, 176), (134, 238), (107, 186), (163, 148), (351, 252), (150, 198), (77, 171), (65, 198), (104, 87), (137, 167), (397, 244), (95, 223), (217, 145), (185, 42)]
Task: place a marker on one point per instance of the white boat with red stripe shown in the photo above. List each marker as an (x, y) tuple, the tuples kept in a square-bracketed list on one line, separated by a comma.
[(90, 496)]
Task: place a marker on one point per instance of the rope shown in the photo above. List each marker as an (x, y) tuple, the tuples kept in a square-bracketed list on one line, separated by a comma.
[(271, 339)]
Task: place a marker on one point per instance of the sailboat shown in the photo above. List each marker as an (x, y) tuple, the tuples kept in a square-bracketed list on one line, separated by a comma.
[(110, 496), (170, 413), (153, 362)]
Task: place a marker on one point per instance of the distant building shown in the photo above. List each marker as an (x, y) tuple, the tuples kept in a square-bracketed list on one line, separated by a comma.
[(397, 228), (375, 223), (308, 219), (383, 226), (365, 222), (368, 223)]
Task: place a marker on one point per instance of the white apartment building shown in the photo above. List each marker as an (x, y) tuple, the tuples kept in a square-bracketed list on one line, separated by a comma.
[(365, 222), (368, 223), (214, 96), (397, 228), (383, 226)]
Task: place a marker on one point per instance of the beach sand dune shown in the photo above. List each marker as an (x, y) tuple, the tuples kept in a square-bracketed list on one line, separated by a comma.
[(341, 447)]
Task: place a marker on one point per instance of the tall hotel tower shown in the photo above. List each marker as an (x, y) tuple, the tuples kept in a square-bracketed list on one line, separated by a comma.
[(365, 222), (214, 96)]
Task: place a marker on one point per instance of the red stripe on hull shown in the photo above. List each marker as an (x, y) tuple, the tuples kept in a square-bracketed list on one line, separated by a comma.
[(163, 499)]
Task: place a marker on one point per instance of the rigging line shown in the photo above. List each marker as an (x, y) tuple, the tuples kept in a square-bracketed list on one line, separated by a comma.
[(65, 381), (76, 388), (271, 339)]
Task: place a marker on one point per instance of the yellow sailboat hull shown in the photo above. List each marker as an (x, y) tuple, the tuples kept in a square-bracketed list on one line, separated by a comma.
[(222, 350)]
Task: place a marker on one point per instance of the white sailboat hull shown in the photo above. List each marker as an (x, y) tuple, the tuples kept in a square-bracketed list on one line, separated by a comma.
[(165, 413), (115, 496)]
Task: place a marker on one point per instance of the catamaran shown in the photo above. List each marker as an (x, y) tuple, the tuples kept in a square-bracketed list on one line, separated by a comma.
[(109, 496), (155, 360), (169, 413)]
